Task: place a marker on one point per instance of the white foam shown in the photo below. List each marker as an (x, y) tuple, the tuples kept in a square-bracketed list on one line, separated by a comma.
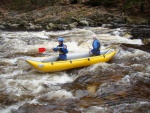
[(41, 34), (8, 109), (96, 109), (148, 69), (103, 65), (125, 80), (60, 94), (64, 78)]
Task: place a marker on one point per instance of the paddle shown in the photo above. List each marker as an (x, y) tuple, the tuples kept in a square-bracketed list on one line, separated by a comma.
[(42, 49)]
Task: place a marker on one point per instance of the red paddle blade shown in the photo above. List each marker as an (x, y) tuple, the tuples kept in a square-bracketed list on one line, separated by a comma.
[(41, 50)]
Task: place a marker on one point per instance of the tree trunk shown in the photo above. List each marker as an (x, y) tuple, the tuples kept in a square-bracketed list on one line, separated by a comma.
[(142, 7)]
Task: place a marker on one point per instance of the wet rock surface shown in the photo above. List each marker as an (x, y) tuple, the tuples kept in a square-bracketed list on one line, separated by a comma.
[(66, 106), (141, 47), (108, 89)]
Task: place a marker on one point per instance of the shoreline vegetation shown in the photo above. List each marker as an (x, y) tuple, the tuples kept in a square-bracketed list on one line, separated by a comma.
[(67, 14)]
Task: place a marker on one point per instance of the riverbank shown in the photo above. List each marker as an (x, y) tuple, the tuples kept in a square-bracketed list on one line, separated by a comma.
[(67, 17)]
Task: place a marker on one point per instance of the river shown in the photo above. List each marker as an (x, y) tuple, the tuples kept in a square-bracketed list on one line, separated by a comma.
[(119, 86)]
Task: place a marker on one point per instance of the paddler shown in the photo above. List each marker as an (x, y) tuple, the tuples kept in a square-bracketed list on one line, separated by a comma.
[(62, 48), (96, 46)]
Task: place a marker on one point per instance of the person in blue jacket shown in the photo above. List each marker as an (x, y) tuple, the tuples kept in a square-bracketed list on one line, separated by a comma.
[(96, 46), (62, 48)]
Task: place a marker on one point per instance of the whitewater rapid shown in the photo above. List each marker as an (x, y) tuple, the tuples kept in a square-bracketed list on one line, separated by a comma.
[(20, 84)]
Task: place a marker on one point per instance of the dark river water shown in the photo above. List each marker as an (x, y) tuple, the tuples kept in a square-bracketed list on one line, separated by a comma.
[(119, 86)]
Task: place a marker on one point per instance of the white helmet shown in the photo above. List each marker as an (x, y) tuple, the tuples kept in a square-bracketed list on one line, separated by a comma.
[(94, 36)]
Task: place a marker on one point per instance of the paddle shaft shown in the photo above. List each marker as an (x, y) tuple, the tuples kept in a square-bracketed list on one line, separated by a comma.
[(41, 50)]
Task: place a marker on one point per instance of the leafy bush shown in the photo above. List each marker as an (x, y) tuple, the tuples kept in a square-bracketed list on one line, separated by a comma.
[(102, 2), (142, 5)]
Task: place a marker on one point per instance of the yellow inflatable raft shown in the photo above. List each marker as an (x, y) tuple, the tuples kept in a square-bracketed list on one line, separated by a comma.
[(75, 60)]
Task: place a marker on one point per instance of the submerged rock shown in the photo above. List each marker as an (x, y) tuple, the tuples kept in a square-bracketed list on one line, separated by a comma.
[(141, 47)]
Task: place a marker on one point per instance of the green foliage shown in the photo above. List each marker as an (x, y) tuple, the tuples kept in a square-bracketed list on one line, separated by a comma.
[(44, 2), (138, 4), (124, 5), (109, 2), (106, 3), (130, 3), (28, 4), (18, 2), (94, 2)]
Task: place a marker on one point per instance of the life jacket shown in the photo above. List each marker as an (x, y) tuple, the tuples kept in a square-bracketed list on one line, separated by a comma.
[(61, 49), (97, 44)]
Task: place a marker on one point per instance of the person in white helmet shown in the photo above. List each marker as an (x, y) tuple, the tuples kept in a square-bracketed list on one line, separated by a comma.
[(96, 46)]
